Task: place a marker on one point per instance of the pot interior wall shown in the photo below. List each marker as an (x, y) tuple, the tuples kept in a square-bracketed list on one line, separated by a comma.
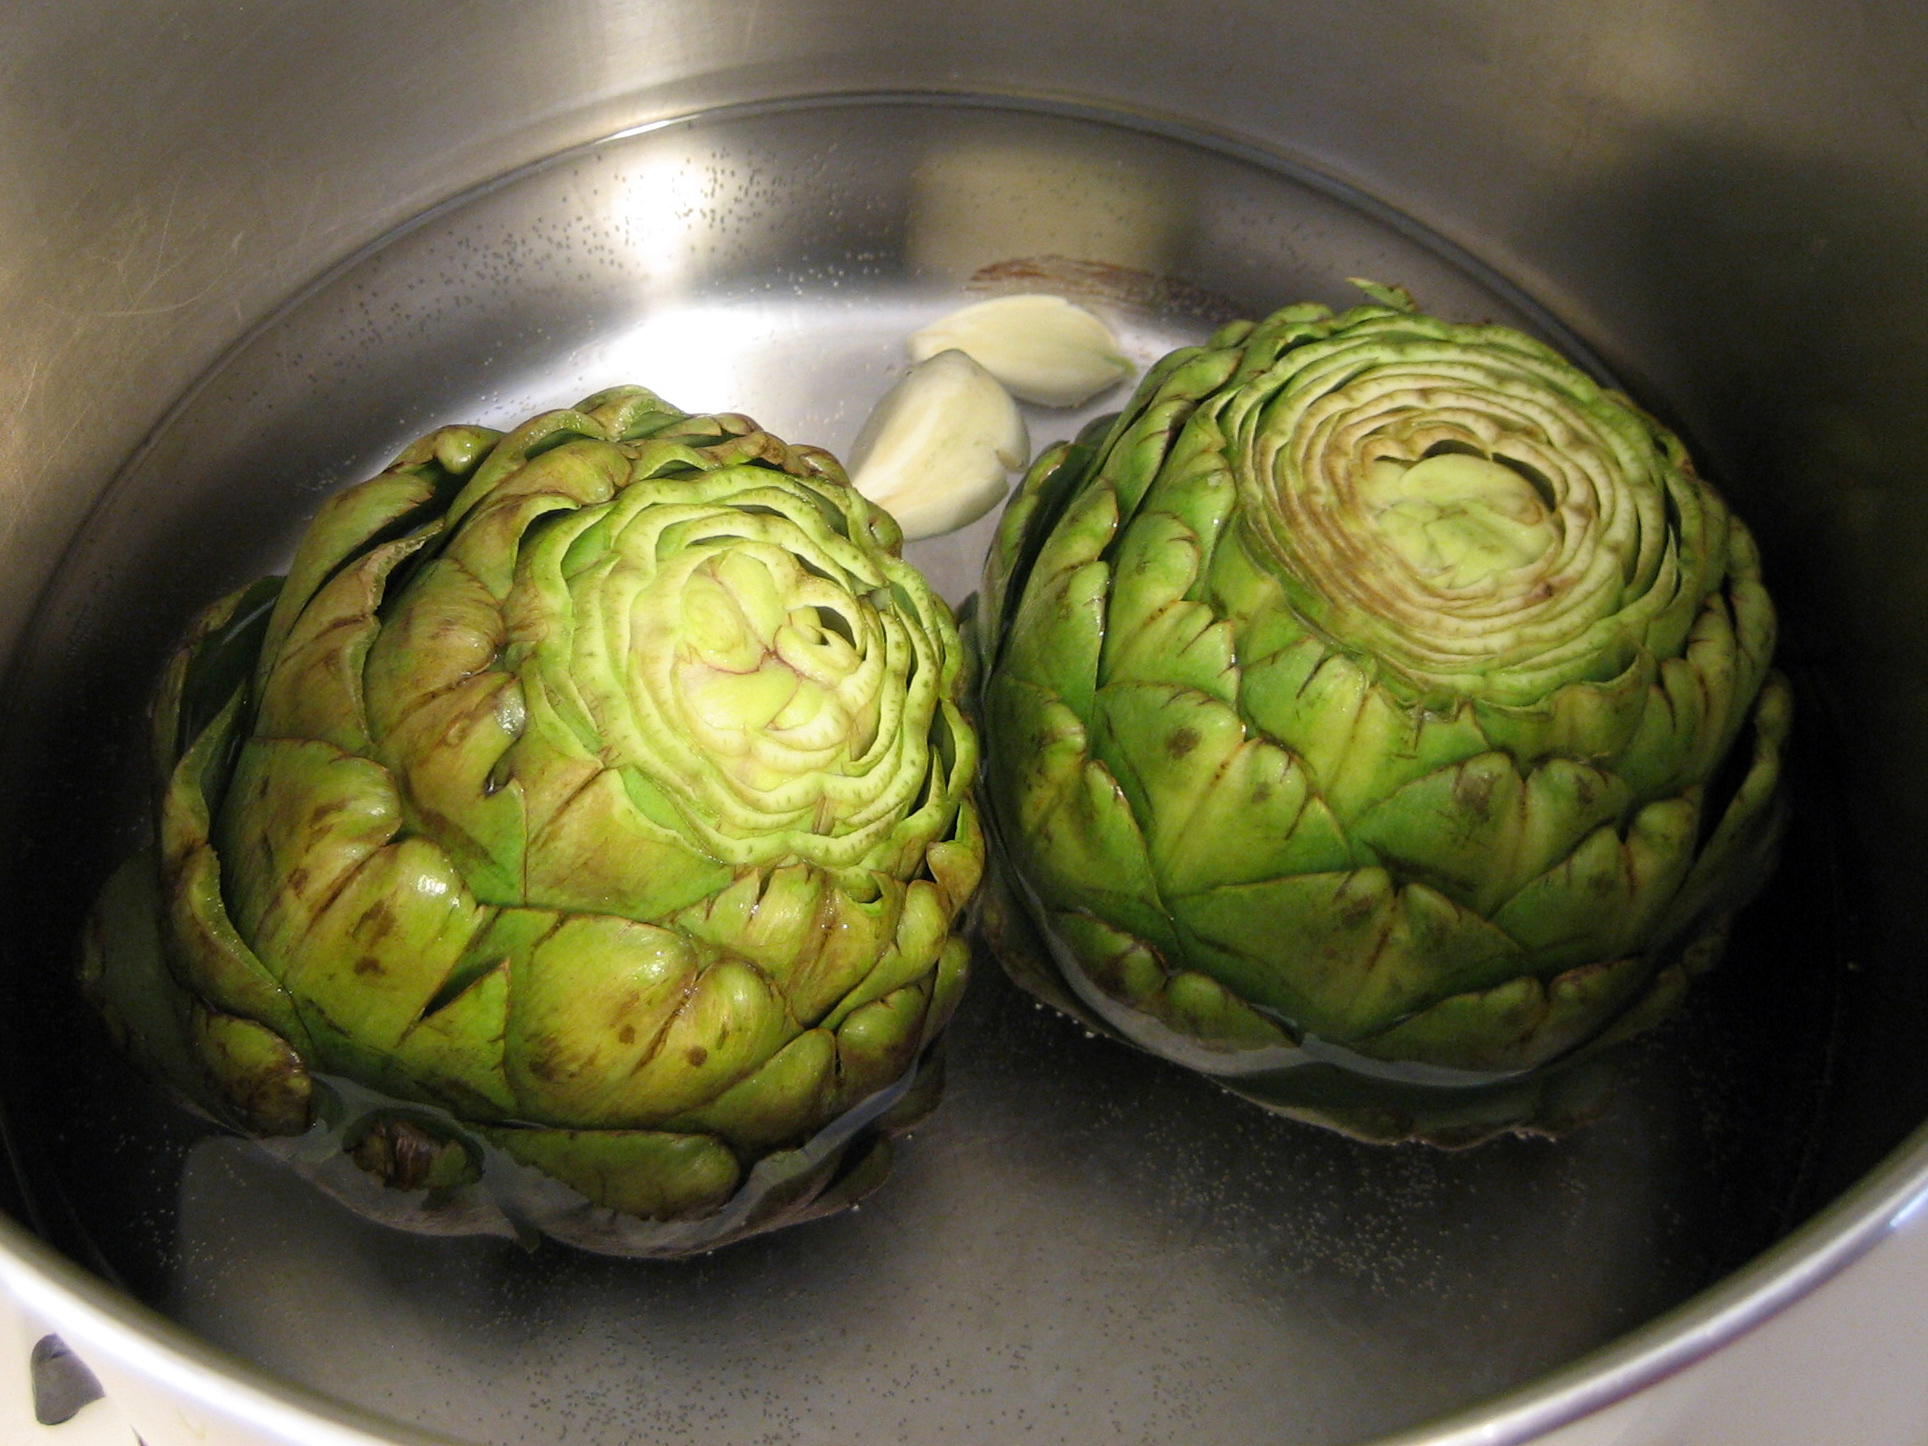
[(1201, 1252), (1200, 1264)]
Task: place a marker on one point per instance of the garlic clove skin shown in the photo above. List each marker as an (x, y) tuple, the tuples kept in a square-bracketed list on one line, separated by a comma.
[(1043, 348), (939, 450)]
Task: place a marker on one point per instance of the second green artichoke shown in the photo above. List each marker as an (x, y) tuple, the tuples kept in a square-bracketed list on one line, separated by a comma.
[(1378, 714), (577, 836)]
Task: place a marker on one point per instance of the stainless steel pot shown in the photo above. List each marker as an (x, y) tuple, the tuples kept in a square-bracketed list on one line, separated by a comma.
[(1725, 209)]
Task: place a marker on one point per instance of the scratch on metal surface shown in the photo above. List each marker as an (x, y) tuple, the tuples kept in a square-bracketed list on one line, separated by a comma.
[(1582, 133), (49, 442), (28, 386), (146, 263)]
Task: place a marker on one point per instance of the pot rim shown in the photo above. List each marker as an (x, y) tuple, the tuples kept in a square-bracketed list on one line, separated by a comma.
[(1886, 1200), (94, 1316), (110, 1330)]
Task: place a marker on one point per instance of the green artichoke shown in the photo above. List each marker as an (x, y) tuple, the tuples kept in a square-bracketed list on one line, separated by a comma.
[(1377, 717), (575, 841)]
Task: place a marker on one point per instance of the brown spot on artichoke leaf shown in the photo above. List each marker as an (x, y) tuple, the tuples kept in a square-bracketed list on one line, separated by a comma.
[(450, 832), (1474, 791), (697, 1055), (1379, 943), (431, 696), (322, 905), (1182, 742), (1604, 884), (627, 1034), (1354, 907), (369, 964), (319, 815), (445, 628), (377, 922)]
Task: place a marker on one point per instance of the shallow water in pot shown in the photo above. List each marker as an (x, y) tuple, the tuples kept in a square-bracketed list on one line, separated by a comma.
[(1084, 1244)]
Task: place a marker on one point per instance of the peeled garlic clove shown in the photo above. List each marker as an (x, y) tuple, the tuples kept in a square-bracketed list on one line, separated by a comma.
[(1042, 348), (938, 451)]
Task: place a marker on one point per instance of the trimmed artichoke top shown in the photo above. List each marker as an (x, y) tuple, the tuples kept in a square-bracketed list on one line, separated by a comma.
[(602, 787), (1356, 707)]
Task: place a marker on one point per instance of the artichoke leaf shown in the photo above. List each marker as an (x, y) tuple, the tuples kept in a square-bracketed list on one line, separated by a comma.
[(210, 957), (649, 1174), (209, 670), (1191, 773), (878, 1043), (305, 815), (1053, 479), (256, 1071), (348, 523), (1608, 887), (1515, 1025), (454, 1051), (315, 688), (1075, 834), (382, 947), (592, 1002), (1067, 606), (778, 1103), (1289, 945), (1165, 637)]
